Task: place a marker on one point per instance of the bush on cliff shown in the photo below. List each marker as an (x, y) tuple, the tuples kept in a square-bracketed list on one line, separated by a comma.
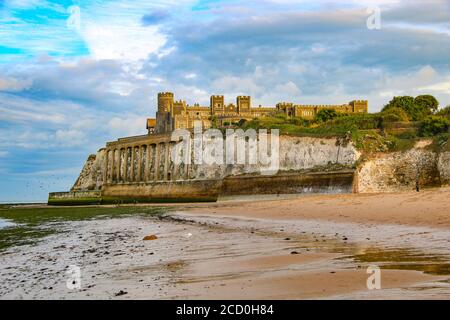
[(433, 125), (394, 114), (299, 126), (363, 121), (445, 112), (325, 115), (427, 102), (417, 108)]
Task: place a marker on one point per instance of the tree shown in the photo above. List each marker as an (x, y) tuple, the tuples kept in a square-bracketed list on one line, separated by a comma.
[(427, 102), (416, 108), (395, 114), (433, 125), (242, 122), (445, 112), (214, 121), (325, 115), (403, 102)]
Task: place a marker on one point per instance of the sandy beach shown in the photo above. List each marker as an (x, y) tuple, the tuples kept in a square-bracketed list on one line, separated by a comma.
[(312, 247), (426, 208)]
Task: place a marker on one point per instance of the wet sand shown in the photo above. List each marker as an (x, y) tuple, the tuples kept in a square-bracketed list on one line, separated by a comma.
[(429, 207), (314, 247)]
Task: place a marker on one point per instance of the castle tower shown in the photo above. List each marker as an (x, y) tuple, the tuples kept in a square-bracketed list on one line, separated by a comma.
[(164, 117), (243, 104), (165, 102), (217, 104), (359, 106)]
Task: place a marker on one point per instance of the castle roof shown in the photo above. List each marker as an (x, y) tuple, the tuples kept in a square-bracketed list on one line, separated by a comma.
[(151, 122)]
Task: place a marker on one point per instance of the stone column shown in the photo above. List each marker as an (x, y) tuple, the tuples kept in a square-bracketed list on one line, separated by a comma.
[(132, 164), (113, 154), (154, 152), (105, 167), (139, 167), (157, 149), (166, 160), (117, 155), (125, 164), (147, 163)]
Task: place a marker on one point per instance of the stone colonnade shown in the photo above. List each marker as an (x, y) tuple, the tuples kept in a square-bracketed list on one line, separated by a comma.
[(141, 162)]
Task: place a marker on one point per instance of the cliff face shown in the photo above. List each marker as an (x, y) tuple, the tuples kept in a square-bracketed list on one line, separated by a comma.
[(444, 167), (296, 153), (306, 153), (91, 177), (387, 172), (403, 171)]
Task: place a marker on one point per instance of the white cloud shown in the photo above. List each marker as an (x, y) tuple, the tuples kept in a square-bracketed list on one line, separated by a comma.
[(70, 137), (11, 84), (289, 89), (234, 85), (128, 43), (130, 126), (441, 87), (425, 80), (114, 30), (190, 76)]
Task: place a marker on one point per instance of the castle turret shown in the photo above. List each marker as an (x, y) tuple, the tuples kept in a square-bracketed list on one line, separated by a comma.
[(359, 106), (217, 104), (164, 115), (243, 104), (165, 101)]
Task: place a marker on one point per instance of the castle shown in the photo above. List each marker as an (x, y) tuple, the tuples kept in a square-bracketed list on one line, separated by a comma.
[(142, 168), (173, 114)]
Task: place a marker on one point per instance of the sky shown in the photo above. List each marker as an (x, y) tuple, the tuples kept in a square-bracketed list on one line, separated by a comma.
[(75, 74)]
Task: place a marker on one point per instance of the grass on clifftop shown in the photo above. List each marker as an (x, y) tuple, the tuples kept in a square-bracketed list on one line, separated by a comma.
[(32, 224), (371, 133)]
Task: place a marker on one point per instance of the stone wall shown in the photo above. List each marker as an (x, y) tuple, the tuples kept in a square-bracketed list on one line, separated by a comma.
[(75, 197), (137, 161), (289, 183)]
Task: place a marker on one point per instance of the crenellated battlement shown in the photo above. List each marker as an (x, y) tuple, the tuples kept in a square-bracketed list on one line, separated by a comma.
[(361, 101), (177, 114), (165, 94)]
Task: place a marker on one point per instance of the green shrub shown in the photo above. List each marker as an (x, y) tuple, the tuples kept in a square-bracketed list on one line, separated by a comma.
[(325, 115), (433, 125), (440, 142), (427, 102), (280, 115), (363, 121), (445, 112), (395, 114), (299, 121), (417, 108), (407, 135), (241, 122)]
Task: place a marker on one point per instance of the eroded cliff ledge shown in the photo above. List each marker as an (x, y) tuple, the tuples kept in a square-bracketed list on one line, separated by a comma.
[(403, 171)]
